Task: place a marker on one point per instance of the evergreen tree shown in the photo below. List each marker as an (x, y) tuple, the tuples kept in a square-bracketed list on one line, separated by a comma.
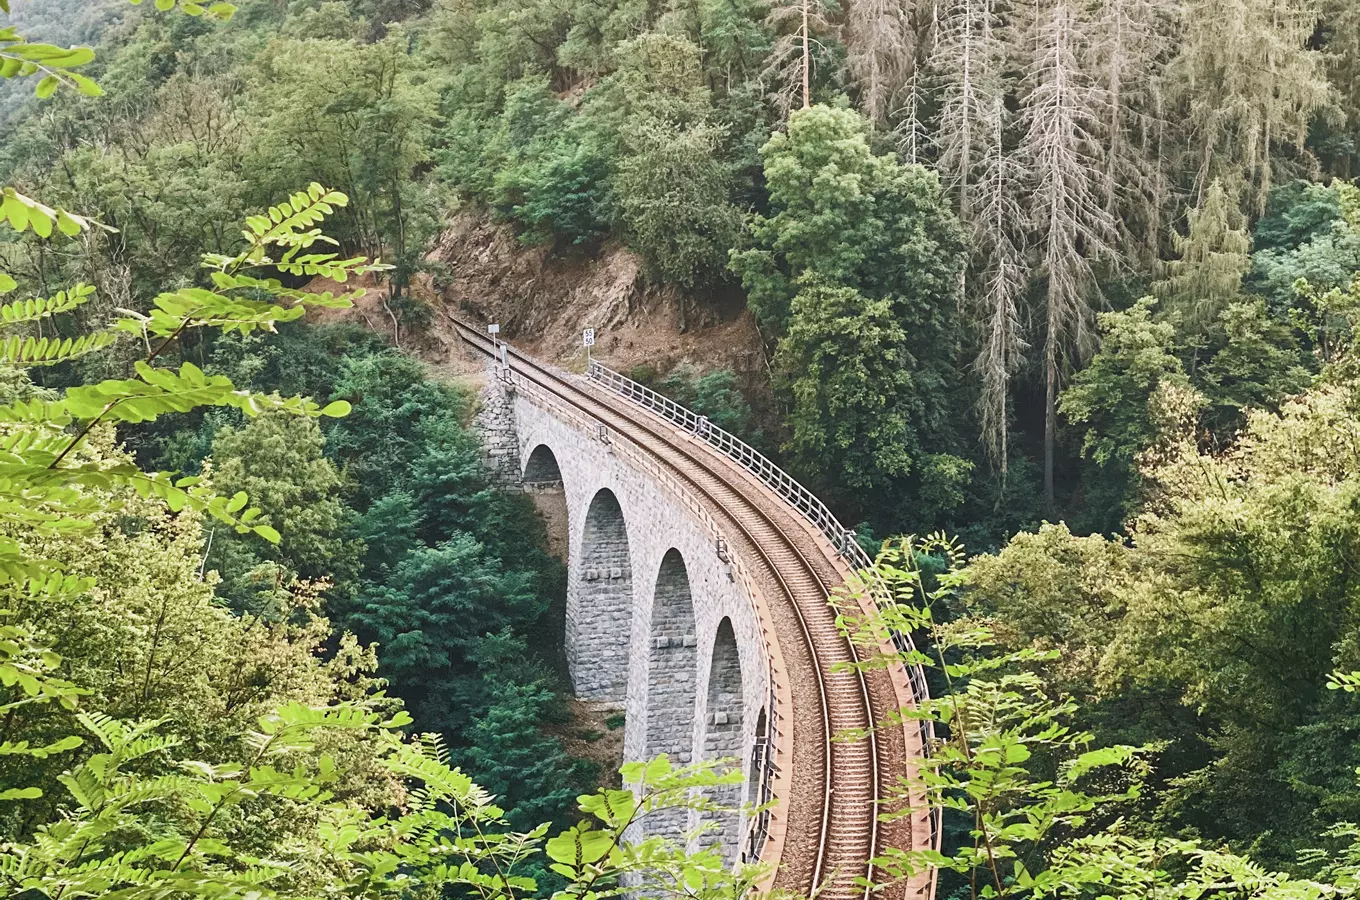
[(1062, 151), (1246, 82), (1214, 257)]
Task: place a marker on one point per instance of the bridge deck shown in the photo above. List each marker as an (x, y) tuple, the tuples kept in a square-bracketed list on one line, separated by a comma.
[(826, 803)]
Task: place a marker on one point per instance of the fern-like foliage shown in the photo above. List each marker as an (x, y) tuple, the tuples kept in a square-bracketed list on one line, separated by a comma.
[(47, 485), (452, 841), (43, 308), (44, 351)]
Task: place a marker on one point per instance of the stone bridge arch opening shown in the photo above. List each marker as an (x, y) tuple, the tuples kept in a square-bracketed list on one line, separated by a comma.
[(599, 610), (723, 735), (672, 678), (542, 471)]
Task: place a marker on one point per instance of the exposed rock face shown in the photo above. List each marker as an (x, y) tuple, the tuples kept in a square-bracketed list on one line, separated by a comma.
[(543, 299)]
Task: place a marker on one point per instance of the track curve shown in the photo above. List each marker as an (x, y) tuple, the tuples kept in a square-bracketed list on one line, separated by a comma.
[(832, 829)]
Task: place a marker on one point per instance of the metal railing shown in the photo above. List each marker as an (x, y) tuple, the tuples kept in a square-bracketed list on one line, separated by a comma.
[(806, 503), (762, 760)]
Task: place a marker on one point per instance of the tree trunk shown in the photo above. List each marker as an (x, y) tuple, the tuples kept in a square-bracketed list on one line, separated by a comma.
[(807, 60), (1050, 418)]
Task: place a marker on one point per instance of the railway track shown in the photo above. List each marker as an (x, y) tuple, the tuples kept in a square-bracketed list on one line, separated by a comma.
[(832, 828)]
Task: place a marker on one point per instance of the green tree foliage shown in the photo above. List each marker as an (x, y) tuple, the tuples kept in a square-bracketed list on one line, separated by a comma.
[(1312, 236), (280, 458), (859, 267), (849, 216), (1232, 599), (355, 115), (1255, 365), (1039, 800), (847, 366), (141, 818), (1112, 399), (712, 394), (673, 201), (1213, 258), (444, 572)]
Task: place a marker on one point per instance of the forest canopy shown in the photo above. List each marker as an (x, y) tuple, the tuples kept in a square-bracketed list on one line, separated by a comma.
[(1076, 280)]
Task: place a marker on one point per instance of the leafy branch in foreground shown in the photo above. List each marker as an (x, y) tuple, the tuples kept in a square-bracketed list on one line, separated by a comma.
[(1039, 803), (142, 821), (47, 486), (56, 66)]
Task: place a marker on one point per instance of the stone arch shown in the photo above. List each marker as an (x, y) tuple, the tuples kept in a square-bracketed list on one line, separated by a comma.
[(757, 789), (542, 468), (758, 751), (723, 734), (672, 678), (599, 621)]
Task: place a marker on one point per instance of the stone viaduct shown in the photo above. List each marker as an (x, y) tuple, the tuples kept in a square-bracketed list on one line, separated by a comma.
[(656, 624), (666, 622)]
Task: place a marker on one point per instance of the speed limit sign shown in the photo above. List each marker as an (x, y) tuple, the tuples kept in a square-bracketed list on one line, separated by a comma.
[(588, 337)]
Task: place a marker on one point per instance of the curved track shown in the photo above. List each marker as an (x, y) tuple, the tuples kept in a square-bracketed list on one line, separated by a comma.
[(832, 828)]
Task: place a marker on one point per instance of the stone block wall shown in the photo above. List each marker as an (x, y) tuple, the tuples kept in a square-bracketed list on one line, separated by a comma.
[(723, 732), (672, 677), (598, 632), (612, 650), (495, 421)]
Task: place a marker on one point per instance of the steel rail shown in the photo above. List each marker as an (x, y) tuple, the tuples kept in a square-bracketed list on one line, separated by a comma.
[(554, 382), (842, 539)]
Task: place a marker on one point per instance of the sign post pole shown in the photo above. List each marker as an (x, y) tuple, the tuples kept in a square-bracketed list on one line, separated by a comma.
[(497, 345)]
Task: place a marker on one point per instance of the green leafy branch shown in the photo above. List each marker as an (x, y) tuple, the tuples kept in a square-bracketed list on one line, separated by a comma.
[(449, 836), (23, 213), (20, 58), (222, 11), (56, 66), (26, 679), (1007, 762), (44, 487)]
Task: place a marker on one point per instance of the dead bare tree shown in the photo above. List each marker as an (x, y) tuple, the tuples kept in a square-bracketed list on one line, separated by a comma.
[(999, 234), (966, 65), (881, 48), (794, 54), (1062, 153)]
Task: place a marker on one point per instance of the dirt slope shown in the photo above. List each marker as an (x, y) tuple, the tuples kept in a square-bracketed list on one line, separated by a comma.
[(542, 300)]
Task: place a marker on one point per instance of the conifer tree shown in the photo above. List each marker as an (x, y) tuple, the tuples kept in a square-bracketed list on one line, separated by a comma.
[(792, 65), (999, 235), (1341, 23), (1129, 43), (1062, 152), (966, 65), (1246, 83), (1214, 256), (881, 48)]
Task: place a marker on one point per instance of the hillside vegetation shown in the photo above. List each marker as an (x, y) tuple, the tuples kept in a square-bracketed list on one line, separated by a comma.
[(1073, 280)]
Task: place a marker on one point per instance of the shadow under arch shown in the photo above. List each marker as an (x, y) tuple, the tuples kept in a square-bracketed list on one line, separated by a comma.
[(599, 609), (723, 737), (542, 468), (672, 678)]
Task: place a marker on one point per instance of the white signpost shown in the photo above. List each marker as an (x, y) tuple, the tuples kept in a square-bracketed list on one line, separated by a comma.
[(588, 341), (501, 349)]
